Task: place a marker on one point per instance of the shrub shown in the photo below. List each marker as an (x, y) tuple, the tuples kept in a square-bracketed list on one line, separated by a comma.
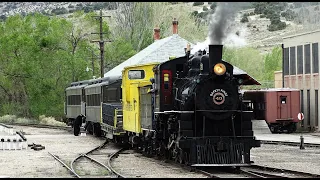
[(194, 13), (244, 18), (205, 8), (71, 6), (262, 16), (203, 15), (213, 6), (58, 11), (198, 3), (277, 26)]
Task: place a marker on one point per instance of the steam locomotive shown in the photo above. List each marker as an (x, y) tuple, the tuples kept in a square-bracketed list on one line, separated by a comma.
[(188, 109)]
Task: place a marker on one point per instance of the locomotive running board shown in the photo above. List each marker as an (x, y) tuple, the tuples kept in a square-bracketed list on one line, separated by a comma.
[(217, 165)]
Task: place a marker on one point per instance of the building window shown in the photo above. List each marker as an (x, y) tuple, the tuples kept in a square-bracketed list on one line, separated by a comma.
[(315, 58), (299, 60), (292, 60), (308, 107), (316, 106), (286, 61), (302, 104), (307, 59)]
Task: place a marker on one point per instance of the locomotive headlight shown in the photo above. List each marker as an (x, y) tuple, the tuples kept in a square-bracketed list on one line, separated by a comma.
[(219, 69)]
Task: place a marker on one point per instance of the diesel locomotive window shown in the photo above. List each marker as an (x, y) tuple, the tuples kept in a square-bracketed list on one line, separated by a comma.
[(286, 61), (112, 94), (283, 99), (315, 58), (307, 59), (136, 74), (299, 60), (292, 60)]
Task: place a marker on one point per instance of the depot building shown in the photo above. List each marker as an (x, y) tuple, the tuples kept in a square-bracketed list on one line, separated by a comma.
[(300, 69)]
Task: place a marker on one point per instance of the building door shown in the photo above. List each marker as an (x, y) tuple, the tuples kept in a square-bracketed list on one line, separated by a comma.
[(284, 105)]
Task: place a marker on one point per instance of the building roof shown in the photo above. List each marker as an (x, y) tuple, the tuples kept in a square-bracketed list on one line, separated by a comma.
[(159, 51), (301, 34), (272, 90)]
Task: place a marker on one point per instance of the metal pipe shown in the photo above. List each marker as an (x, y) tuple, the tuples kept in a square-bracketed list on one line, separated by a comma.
[(302, 142)]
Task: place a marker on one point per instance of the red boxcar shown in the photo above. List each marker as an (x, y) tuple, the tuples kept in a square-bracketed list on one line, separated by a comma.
[(278, 106)]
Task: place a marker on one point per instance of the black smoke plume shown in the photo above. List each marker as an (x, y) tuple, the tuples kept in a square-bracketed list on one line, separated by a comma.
[(221, 21)]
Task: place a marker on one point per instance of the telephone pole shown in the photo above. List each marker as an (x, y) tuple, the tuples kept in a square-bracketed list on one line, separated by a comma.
[(101, 43)]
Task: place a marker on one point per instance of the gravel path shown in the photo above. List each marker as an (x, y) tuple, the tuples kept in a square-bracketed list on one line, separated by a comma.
[(38, 164), (133, 165), (30, 163), (287, 157)]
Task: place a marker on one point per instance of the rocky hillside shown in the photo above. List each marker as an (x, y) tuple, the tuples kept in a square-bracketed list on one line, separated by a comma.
[(255, 32)]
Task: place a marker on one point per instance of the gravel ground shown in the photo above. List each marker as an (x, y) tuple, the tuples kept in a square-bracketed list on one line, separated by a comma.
[(287, 157), (30, 163), (133, 165)]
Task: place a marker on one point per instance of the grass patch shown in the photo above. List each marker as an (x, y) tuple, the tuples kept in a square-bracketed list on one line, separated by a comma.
[(42, 120)]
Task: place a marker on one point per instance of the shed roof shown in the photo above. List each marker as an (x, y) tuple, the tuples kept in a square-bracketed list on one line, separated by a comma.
[(159, 51)]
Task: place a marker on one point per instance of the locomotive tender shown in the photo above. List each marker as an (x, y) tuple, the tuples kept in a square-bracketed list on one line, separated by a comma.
[(188, 109)]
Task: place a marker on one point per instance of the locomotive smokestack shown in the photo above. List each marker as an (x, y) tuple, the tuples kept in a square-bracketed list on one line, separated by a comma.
[(175, 26), (156, 33), (215, 54)]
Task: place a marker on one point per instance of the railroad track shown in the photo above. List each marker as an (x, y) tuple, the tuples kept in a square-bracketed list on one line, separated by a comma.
[(254, 171), (101, 152), (289, 143), (68, 128)]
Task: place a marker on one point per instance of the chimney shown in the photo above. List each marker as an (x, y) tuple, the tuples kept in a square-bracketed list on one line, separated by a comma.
[(215, 54), (175, 26), (156, 33)]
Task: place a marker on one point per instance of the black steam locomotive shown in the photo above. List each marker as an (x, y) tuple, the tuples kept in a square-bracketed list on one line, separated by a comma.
[(199, 114), (192, 110)]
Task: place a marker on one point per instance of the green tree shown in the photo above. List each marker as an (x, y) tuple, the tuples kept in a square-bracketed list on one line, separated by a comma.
[(38, 61), (273, 62)]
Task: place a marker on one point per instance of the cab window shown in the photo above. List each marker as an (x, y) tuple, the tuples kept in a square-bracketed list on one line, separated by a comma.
[(136, 74)]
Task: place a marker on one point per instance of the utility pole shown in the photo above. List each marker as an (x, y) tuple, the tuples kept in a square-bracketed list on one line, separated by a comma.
[(93, 56), (101, 43)]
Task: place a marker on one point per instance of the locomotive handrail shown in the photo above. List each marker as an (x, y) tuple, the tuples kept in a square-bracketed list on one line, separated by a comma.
[(223, 111)]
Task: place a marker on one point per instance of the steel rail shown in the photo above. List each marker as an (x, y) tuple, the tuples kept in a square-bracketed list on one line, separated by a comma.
[(65, 165), (113, 155), (83, 155)]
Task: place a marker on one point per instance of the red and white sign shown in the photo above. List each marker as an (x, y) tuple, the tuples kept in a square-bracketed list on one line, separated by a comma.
[(300, 116)]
